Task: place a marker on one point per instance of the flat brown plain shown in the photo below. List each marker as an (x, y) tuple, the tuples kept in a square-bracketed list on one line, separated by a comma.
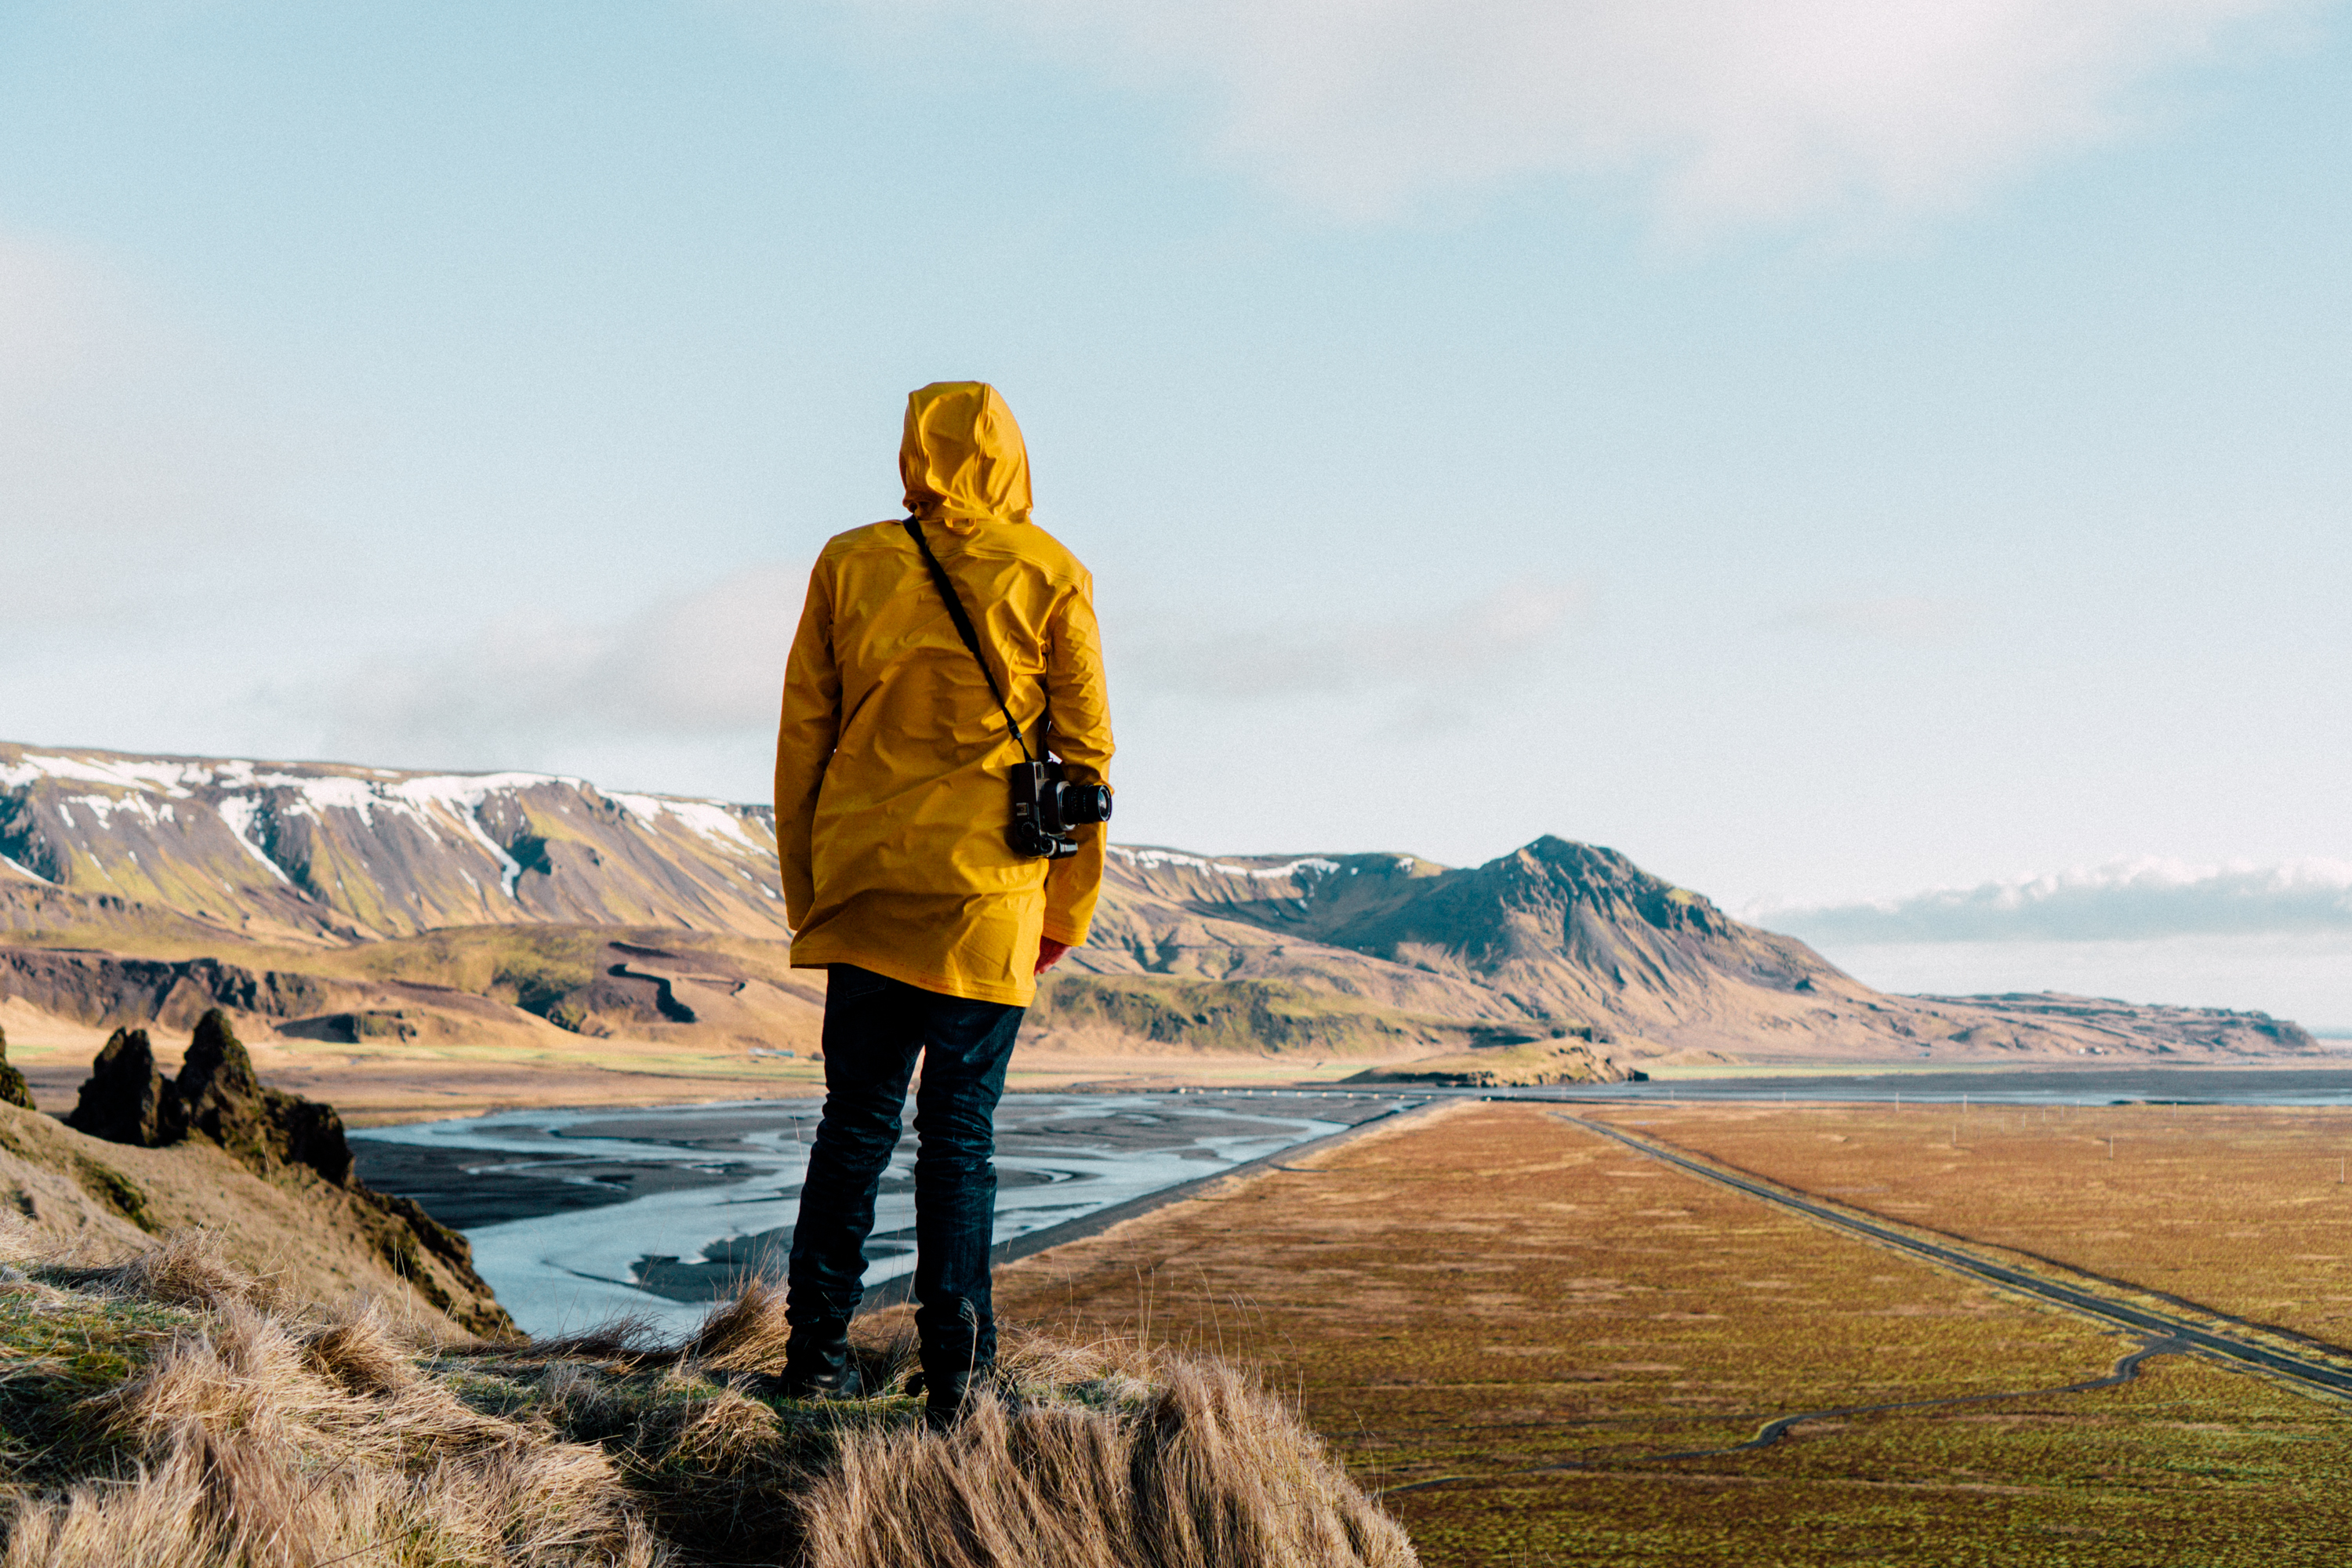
[(1506, 1321), (2240, 1209)]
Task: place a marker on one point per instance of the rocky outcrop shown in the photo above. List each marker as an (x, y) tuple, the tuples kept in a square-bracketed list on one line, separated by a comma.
[(283, 1138), (122, 1100), (217, 1097), (104, 988), (14, 1090)]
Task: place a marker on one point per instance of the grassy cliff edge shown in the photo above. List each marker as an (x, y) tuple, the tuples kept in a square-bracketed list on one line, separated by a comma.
[(171, 1409)]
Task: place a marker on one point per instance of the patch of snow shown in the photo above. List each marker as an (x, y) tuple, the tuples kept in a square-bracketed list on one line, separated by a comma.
[(23, 870), (510, 869), (102, 807), (433, 802), (713, 819), (318, 795), (1308, 866), (238, 811), (119, 772), (470, 790)]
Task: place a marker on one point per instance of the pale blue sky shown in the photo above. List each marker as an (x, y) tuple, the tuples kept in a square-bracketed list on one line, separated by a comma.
[(1891, 447)]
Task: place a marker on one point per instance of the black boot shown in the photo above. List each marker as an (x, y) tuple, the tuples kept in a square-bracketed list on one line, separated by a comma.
[(817, 1364)]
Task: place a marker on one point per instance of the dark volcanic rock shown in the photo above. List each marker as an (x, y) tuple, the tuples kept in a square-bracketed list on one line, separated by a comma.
[(311, 1133), (216, 1091), (13, 1089), (106, 988), (282, 1138), (122, 1100), (216, 1095)]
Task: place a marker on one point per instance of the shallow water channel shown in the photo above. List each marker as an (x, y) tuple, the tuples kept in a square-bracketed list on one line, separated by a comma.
[(578, 1216)]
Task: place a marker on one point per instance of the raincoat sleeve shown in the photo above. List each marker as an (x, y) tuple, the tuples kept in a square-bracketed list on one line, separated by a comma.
[(1074, 681), (804, 742)]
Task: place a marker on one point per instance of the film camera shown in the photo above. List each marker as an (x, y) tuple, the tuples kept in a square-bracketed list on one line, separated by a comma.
[(1046, 808)]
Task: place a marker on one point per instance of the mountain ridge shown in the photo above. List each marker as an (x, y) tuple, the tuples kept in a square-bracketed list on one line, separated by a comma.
[(340, 852), (1557, 933), (342, 903)]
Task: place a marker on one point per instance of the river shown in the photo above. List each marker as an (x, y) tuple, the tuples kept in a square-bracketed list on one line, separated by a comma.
[(581, 1216)]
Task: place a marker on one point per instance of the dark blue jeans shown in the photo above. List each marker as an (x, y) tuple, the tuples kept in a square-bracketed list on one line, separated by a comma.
[(875, 1029)]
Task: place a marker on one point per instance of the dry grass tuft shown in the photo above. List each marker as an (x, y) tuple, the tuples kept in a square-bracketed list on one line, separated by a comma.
[(366, 1351), (724, 1433), (189, 1269), (746, 1334), (1212, 1468), (173, 1411)]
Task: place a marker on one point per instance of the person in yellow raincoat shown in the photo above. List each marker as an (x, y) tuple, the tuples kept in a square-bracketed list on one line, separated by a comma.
[(893, 800)]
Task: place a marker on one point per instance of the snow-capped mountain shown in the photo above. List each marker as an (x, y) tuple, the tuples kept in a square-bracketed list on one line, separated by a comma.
[(326, 849), (141, 886)]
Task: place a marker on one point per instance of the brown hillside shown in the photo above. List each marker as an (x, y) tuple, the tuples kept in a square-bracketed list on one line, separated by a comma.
[(100, 1201), (212, 1148)]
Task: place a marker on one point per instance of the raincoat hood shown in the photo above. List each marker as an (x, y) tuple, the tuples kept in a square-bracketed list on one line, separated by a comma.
[(963, 458)]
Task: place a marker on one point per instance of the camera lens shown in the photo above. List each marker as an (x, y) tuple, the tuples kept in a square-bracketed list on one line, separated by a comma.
[(1085, 802)]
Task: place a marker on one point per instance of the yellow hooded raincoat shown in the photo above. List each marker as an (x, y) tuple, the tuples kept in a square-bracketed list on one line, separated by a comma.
[(892, 760)]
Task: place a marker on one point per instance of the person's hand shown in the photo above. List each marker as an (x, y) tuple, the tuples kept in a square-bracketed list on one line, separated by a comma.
[(1049, 953)]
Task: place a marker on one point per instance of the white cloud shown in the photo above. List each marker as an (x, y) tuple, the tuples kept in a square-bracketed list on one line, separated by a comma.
[(1734, 109), (709, 663), (2136, 901), (1424, 654), (683, 695)]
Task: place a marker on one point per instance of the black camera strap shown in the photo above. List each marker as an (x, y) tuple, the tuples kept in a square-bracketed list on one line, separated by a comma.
[(964, 630)]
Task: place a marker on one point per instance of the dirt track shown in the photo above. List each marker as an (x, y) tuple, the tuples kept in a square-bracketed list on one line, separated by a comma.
[(2082, 1294)]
